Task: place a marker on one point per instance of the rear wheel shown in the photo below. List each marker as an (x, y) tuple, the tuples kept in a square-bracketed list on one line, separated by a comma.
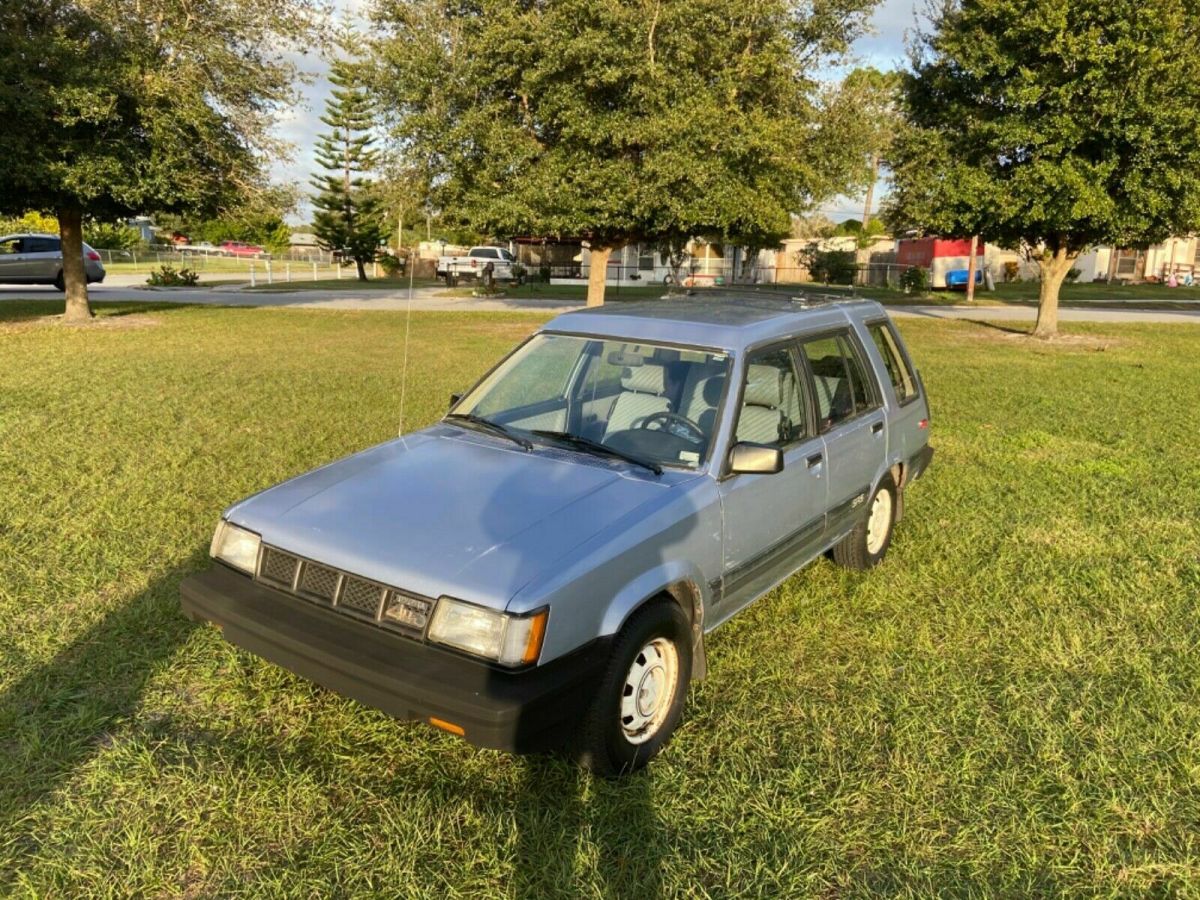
[(867, 545), (60, 282), (640, 698)]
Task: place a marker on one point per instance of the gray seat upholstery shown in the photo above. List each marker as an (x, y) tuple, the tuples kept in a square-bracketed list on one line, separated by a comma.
[(642, 389), (701, 396), (761, 413)]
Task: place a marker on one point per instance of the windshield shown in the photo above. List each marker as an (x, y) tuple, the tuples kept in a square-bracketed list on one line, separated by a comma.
[(650, 402)]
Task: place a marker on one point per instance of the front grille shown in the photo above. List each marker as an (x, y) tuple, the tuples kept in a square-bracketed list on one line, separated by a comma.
[(361, 597), (319, 582), (346, 593), (278, 567)]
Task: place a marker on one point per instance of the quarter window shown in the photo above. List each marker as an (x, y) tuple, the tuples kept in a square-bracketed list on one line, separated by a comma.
[(773, 407), (899, 371), (839, 378)]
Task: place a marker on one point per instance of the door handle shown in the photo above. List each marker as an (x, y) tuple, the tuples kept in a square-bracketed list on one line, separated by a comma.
[(815, 460), (877, 428)]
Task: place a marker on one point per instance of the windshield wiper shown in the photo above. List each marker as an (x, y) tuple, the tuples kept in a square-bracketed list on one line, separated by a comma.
[(590, 446), (493, 427)]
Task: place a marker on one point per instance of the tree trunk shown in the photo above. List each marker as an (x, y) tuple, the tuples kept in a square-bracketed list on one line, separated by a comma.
[(597, 274), (362, 272), (971, 269), (70, 230), (1054, 269), (870, 190)]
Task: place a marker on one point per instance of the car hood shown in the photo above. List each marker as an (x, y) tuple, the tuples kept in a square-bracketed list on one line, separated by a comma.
[(448, 512)]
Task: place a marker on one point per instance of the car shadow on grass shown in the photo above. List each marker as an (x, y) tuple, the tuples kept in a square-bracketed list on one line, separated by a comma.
[(581, 836), (63, 712)]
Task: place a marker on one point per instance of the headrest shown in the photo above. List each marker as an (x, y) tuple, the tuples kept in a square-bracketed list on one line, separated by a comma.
[(762, 386), (711, 391), (646, 379)]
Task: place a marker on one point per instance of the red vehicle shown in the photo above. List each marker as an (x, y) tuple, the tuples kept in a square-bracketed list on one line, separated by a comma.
[(240, 248)]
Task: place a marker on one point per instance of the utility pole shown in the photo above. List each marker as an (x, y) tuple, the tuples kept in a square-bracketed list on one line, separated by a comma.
[(971, 269)]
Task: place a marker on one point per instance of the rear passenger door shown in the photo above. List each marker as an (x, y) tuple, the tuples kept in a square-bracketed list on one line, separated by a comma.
[(773, 523), (43, 258), (850, 417)]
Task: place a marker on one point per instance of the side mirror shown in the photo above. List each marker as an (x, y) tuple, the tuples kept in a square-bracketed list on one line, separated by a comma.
[(454, 398), (759, 459)]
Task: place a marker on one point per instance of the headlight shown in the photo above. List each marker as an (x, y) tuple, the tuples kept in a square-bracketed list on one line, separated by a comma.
[(235, 546), (509, 640)]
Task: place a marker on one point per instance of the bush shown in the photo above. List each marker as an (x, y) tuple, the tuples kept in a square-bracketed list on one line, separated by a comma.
[(914, 280), (1012, 271), (109, 236), (830, 266), (518, 271), (391, 264), (1073, 275), (544, 273), (168, 276)]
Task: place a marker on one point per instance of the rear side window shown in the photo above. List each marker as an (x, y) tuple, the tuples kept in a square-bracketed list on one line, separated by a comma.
[(898, 368), (839, 377), (41, 245)]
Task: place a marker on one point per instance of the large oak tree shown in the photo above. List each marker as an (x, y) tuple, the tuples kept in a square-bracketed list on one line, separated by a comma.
[(619, 120), (119, 107), (1054, 127)]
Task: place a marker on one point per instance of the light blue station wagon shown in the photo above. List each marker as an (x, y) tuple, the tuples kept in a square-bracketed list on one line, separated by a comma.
[(540, 568)]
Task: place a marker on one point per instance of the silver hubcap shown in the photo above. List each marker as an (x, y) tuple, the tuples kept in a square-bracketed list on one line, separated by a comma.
[(879, 522), (648, 689)]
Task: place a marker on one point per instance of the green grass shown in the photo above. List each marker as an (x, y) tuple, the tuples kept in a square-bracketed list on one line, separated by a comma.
[(1115, 294), (1008, 705)]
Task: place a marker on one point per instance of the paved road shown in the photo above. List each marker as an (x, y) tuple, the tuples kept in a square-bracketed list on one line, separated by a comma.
[(432, 298)]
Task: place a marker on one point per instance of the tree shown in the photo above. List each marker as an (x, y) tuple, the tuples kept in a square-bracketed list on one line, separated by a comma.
[(1053, 129), (113, 108), (873, 99), (348, 213), (620, 121)]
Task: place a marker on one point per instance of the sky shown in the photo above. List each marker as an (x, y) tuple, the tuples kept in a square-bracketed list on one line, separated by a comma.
[(882, 48)]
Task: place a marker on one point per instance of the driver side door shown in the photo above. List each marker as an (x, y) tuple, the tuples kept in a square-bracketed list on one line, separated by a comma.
[(772, 523)]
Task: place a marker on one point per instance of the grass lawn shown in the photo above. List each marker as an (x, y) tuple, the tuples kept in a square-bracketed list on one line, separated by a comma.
[(1117, 294), (1008, 704)]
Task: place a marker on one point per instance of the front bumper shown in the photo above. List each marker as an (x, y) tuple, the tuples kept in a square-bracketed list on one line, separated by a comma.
[(530, 710)]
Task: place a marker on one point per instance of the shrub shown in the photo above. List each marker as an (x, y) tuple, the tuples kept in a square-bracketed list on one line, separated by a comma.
[(1012, 271), (544, 273), (914, 280), (108, 236), (168, 276), (391, 264), (1073, 275), (830, 266)]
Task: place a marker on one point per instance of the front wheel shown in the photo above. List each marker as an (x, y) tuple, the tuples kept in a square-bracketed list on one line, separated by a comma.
[(867, 545), (60, 283), (640, 698)]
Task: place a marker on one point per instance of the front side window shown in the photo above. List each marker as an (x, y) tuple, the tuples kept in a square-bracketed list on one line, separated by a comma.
[(774, 405), (10, 246), (899, 371), (650, 401), (839, 378)]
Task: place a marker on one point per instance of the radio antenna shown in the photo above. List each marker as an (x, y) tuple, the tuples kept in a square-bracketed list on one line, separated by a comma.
[(407, 328)]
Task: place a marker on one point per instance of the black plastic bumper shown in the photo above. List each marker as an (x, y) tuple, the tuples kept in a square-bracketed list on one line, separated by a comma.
[(535, 709)]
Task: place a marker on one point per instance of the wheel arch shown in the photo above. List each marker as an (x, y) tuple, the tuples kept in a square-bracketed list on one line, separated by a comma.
[(675, 582)]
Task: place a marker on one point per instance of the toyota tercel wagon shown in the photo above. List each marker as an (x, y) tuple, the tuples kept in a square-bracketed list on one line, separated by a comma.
[(540, 568)]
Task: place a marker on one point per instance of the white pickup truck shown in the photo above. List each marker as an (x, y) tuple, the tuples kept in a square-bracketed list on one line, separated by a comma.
[(504, 265)]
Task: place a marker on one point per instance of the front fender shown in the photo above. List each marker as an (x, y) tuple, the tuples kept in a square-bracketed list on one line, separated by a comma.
[(673, 577)]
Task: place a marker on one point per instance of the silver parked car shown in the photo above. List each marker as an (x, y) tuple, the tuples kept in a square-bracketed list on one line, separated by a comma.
[(545, 562), (37, 259)]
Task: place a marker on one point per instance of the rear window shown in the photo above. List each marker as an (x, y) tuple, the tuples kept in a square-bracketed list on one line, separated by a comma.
[(899, 369)]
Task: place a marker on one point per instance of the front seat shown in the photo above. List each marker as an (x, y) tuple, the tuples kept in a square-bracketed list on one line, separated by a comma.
[(761, 417), (642, 389)]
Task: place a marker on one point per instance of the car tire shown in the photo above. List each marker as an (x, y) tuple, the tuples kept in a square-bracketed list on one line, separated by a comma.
[(867, 545), (60, 283), (641, 695)]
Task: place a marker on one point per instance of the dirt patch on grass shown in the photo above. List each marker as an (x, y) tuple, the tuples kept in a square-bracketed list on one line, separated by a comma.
[(1094, 343)]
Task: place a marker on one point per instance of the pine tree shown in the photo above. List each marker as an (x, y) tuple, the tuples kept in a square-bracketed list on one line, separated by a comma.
[(349, 215)]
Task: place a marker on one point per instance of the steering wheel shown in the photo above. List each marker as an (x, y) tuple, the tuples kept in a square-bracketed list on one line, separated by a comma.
[(665, 416)]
